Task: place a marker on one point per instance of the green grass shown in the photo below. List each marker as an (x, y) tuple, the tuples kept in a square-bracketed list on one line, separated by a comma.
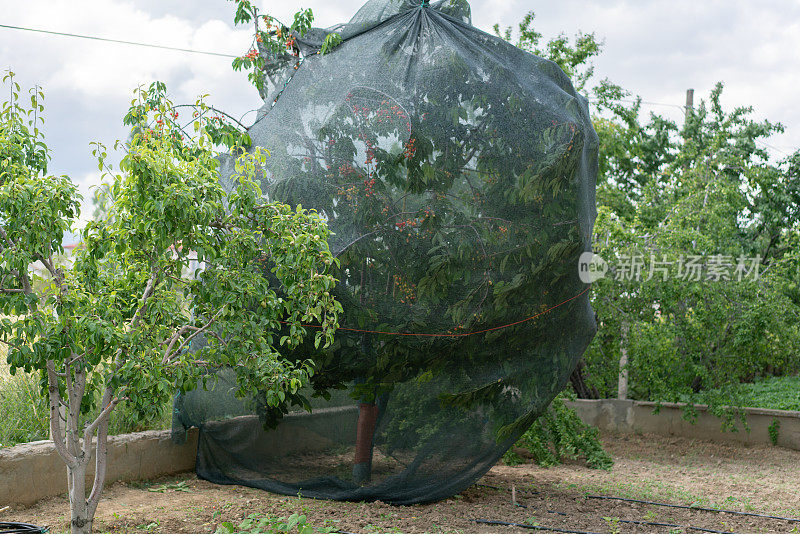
[(778, 393), (24, 414), (23, 411)]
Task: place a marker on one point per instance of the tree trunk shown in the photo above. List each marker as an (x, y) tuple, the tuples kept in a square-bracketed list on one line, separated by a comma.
[(579, 385), (622, 387), (80, 522), (365, 431)]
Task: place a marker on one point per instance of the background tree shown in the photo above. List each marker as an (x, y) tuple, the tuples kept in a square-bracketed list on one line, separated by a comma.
[(706, 192), (705, 188), (178, 257)]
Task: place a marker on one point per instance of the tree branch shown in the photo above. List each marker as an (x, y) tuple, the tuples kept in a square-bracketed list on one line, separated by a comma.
[(55, 416), (101, 458), (182, 331), (148, 292), (75, 391), (91, 428)]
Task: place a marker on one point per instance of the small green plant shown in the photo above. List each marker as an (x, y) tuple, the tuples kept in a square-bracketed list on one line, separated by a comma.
[(176, 486), (613, 525), (774, 429), (267, 524)]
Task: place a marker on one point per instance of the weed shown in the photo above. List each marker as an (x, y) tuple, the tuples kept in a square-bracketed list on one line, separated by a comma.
[(613, 525), (183, 486), (267, 524), (773, 429), (24, 415)]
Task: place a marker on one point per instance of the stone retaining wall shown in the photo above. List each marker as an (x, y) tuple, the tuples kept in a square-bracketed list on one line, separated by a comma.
[(626, 416), (34, 471)]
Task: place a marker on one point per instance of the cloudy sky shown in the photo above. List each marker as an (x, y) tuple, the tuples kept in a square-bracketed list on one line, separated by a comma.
[(654, 48)]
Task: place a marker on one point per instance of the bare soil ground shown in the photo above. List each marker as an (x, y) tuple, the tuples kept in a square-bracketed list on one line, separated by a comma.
[(673, 470)]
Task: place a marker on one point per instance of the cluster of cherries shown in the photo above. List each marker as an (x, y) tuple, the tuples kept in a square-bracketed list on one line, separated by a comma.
[(410, 149), (368, 187)]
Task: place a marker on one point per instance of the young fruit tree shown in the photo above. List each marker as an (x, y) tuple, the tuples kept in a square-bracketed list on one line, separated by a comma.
[(177, 258)]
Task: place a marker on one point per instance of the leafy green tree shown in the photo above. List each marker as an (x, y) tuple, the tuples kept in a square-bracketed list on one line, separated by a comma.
[(177, 258), (704, 188), (670, 195)]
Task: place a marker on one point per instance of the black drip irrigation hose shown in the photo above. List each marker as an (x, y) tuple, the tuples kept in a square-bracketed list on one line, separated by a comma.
[(649, 523), (531, 527), (686, 507), (548, 511), (21, 528)]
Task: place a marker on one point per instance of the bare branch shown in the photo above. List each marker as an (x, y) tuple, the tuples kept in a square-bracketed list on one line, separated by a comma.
[(48, 264), (92, 427), (55, 417), (75, 391), (101, 458)]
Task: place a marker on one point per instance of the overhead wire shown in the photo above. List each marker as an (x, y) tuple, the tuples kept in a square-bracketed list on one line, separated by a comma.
[(233, 56), (118, 41)]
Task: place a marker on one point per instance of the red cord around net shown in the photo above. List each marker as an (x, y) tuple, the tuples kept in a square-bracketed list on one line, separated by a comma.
[(465, 334)]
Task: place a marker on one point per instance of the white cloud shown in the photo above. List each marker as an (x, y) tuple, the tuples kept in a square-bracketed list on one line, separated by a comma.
[(655, 48)]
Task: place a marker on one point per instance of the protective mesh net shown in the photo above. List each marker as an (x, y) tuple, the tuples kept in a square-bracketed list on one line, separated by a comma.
[(457, 174)]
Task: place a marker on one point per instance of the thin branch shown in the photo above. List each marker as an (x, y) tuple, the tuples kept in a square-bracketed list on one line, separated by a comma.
[(48, 265), (188, 339), (90, 429), (148, 292), (215, 110), (4, 235)]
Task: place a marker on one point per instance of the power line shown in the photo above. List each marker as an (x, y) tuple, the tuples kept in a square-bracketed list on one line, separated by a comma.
[(628, 101), (682, 108), (119, 41), (232, 56)]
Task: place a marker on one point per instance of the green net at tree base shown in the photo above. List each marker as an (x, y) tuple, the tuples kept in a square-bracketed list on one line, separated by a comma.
[(457, 175)]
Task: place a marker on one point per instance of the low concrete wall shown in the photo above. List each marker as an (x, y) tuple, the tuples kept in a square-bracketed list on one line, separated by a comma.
[(625, 416), (34, 471)]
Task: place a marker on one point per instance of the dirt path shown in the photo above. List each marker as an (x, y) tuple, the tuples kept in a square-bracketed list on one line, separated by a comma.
[(679, 471)]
